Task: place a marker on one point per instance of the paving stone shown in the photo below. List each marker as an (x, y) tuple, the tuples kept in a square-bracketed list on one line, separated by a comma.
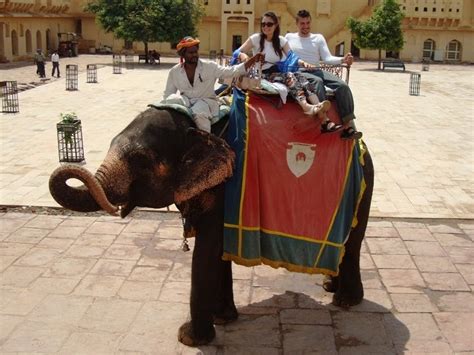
[(393, 262), (113, 267), (360, 328), (138, 239), (176, 292), (61, 310), (45, 221), (305, 316), (27, 235), (247, 350), (366, 262), (410, 303), (455, 240), (308, 339), (401, 279), (456, 302), (70, 268), (434, 264), (241, 272), (264, 297), (38, 257), (140, 290), (260, 331), (367, 349), (443, 228), (375, 301), (78, 221), (85, 251), (100, 240), (424, 248), (381, 232), (91, 343), (467, 271), (371, 279), (460, 255), (7, 324), (53, 285), (126, 252), (389, 246), (147, 273), (416, 234), (55, 243), (6, 261), (458, 329), (20, 276), (10, 225), (14, 249), (105, 228), (35, 337), (23, 304), (170, 232), (142, 226), (67, 232), (110, 315), (99, 286), (445, 281)]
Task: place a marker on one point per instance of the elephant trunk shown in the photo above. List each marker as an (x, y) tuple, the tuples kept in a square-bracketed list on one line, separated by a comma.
[(88, 198), (110, 183)]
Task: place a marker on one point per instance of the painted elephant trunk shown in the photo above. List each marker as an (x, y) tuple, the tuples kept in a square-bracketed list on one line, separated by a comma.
[(93, 195)]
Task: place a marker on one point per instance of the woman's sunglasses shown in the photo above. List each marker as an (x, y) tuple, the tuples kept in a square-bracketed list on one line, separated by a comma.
[(267, 24)]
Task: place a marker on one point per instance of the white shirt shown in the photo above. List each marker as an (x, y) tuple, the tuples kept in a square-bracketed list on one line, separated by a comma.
[(271, 57), (312, 49), (204, 80), (55, 57)]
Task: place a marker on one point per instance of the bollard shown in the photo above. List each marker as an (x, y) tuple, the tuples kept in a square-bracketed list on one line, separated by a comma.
[(129, 61), (425, 65), (415, 80), (9, 94), (117, 62), (70, 143), (213, 55), (91, 73), (71, 77)]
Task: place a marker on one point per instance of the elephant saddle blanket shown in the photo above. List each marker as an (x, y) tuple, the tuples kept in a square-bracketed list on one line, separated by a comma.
[(293, 198)]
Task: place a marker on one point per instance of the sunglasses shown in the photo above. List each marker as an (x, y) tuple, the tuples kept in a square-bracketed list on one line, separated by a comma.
[(267, 24)]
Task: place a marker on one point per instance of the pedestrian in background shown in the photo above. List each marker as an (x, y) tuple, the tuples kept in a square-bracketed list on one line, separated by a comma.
[(55, 62), (39, 61)]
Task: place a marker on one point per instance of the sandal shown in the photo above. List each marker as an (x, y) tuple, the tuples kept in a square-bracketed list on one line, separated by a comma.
[(351, 133), (329, 126)]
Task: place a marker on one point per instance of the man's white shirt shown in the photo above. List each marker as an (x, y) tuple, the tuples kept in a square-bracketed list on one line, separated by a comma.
[(55, 57), (312, 49)]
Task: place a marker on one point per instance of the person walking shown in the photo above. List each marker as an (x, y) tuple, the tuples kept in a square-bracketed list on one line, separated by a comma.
[(39, 61), (55, 62)]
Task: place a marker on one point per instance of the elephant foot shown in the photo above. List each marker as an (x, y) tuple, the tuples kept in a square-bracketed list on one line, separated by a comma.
[(227, 316), (346, 300), (187, 337), (330, 284)]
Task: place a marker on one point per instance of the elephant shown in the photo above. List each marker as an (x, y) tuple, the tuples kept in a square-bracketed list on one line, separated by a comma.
[(160, 159)]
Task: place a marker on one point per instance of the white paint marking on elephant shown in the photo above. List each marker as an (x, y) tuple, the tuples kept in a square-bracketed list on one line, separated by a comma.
[(300, 157)]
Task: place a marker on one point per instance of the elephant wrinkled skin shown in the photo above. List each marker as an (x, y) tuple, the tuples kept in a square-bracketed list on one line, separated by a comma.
[(160, 159)]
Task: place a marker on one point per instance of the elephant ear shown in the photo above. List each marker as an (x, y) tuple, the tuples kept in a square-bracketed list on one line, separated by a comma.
[(207, 162)]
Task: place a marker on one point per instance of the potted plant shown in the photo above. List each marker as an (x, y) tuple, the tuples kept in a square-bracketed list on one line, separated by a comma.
[(70, 144)]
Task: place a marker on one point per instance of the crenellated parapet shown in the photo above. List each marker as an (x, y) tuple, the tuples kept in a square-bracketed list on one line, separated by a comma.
[(34, 7)]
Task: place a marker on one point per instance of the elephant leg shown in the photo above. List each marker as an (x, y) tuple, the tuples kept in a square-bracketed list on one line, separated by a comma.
[(348, 284), (226, 311)]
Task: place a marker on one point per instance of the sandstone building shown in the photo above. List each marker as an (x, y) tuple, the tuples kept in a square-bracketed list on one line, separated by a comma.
[(442, 30)]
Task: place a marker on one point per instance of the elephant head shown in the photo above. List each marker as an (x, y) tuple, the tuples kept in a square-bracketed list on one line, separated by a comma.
[(157, 160)]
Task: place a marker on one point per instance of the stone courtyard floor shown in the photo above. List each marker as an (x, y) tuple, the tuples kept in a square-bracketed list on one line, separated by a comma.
[(94, 284)]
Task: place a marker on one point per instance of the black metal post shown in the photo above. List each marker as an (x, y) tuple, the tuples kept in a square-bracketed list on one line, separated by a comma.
[(72, 73), (415, 81), (117, 62), (9, 94), (129, 61), (91, 73), (70, 142)]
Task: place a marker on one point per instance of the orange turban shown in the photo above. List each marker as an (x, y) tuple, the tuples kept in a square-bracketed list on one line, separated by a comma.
[(187, 42)]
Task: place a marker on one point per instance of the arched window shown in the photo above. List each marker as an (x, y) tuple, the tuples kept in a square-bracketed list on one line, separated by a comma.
[(453, 50), (48, 39), (429, 47), (14, 43), (39, 43), (29, 47)]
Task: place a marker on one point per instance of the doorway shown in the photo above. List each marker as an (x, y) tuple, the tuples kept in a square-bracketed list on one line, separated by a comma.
[(236, 42)]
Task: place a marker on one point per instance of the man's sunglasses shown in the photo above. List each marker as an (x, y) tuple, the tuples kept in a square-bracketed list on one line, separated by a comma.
[(267, 24)]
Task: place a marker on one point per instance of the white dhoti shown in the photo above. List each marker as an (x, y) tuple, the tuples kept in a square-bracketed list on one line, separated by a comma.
[(203, 109)]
